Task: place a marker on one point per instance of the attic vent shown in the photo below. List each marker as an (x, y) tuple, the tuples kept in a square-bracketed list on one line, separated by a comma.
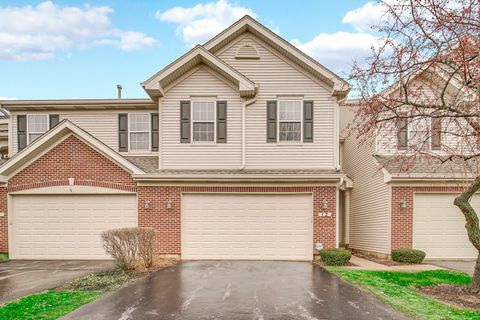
[(247, 52)]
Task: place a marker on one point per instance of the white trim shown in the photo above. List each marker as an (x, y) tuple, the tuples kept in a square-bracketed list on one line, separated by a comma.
[(61, 130), (74, 189), (337, 216)]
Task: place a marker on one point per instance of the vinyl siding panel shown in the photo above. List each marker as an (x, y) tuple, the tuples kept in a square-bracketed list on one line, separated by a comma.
[(275, 76), (370, 196), (176, 155), (102, 124)]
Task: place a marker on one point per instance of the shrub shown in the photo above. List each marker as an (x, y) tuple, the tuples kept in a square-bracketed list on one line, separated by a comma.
[(146, 246), (408, 255), (335, 257)]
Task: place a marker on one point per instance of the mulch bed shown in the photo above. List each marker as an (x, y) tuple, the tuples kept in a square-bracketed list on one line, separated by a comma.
[(385, 262), (158, 263), (320, 263), (458, 296)]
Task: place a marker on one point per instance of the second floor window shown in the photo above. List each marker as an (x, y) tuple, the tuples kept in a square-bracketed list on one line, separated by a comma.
[(436, 134), (402, 133), (203, 121), (37, 124), (139, 130), (290, 120)]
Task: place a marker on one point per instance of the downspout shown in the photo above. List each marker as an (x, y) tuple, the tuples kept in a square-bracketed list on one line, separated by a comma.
[(244, 131)]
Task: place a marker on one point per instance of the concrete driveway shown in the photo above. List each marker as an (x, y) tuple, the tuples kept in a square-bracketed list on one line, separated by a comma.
[(466, 266), (238, 290), (19, 278)]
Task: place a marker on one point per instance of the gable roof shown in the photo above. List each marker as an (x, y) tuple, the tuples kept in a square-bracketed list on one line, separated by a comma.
[(37, 148), (247, 23), (156, 84)]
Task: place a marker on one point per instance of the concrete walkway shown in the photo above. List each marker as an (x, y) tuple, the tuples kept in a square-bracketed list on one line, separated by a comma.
[(466, 266), (364, 264)]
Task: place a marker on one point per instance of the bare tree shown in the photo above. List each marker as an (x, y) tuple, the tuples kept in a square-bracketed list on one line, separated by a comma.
[(423, 76)]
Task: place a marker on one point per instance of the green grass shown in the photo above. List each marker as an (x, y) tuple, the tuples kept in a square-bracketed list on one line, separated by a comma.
[(3, 256), (56, 303), (398, 289), (47, 305)]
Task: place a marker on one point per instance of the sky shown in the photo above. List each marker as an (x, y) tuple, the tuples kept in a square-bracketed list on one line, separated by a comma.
[(83, 49)]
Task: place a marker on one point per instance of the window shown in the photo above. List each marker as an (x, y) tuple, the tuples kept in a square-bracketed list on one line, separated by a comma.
[(436, 136), (402, 127), (290, 120), (203, 121), (139, 131), (37, 124)]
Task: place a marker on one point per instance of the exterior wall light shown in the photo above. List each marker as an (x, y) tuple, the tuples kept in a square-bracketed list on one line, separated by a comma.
[(169, 204), (147, 204), (403, 204), (324, 204)]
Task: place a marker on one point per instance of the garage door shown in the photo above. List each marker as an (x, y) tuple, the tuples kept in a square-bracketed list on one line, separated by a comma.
[(67, 226), (439, 227), (246, 226)]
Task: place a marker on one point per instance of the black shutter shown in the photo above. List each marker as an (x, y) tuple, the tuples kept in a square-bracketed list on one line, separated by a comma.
[(308, 121), (54, 119), (21, 131), (123, 132), (155, 131), (184, 121), (221, 122), (271, 121)]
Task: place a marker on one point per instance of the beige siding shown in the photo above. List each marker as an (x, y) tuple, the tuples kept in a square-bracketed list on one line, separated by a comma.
[(370, 196), (102, 124), (277, 77), (202, 82)]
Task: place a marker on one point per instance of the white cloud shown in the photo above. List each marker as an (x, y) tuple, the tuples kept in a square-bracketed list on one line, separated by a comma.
[(7, 98), (199, 23), (39, 32), (337, 51), (364, 17)]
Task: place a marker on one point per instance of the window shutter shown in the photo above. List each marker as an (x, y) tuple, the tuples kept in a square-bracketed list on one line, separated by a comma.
[(54, 119), (123, 132), (271, 121), (185, 121), (155, 131), (308, 121), (21, 131), (221, 122)]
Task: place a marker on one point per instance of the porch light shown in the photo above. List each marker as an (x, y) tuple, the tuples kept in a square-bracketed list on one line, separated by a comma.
[(403, 204), (169, 204), (324, 204), (146, 204)]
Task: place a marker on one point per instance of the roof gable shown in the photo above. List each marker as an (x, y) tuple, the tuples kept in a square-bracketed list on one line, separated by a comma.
[(247, 24), (65, 128)]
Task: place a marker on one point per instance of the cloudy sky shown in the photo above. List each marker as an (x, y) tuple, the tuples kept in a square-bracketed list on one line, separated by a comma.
[(82, 49)]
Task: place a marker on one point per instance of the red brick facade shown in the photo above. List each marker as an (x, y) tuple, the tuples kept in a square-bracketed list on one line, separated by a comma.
[(72, 158), (402, 218)]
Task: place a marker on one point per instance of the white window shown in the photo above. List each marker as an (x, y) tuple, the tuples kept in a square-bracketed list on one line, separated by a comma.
[(290, 120), (203, 121), (139, 131), (37, 124)]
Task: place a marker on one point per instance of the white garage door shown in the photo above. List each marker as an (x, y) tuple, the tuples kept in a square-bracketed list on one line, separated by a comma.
[(247, 226), (67, 226), (439, 227)]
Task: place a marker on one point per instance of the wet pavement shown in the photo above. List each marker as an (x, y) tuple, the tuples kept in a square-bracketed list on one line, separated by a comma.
[(238, 290), (19, 278)]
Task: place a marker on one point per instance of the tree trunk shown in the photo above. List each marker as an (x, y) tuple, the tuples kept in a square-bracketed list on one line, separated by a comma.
[(463, 203)]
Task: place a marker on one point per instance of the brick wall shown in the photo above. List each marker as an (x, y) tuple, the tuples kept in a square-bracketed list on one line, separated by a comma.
[(167, 221), (402, 218), (3, 221)]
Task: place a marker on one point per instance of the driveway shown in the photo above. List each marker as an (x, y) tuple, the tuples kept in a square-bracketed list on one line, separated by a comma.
[(19, 278), (466, 266), (238, 290)]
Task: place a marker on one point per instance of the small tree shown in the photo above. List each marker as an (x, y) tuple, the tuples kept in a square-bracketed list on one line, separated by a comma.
[(428, 59), (146, 246)]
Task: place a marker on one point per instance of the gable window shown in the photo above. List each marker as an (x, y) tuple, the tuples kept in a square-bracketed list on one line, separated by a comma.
[(203, 121), (435, 136), (402, 132), (290, 120), (37, 124), (139, 131)]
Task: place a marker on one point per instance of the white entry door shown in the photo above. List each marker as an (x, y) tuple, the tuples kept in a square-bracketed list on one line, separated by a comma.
[(439, 227), (247, 226), (67, 226)]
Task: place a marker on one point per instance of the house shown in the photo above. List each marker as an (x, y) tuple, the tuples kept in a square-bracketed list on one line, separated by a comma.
[(399, 203), (234, 155)]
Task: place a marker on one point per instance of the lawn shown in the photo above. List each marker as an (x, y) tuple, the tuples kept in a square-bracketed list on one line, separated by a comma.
[(55, 303), (398, 289)]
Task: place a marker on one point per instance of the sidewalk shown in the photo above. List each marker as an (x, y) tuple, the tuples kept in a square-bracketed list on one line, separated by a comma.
[(364, 264)]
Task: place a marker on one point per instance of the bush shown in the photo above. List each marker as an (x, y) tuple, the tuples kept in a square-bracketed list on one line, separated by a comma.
[(127, 245), (408, 255), (101, 281), (335, 257)]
